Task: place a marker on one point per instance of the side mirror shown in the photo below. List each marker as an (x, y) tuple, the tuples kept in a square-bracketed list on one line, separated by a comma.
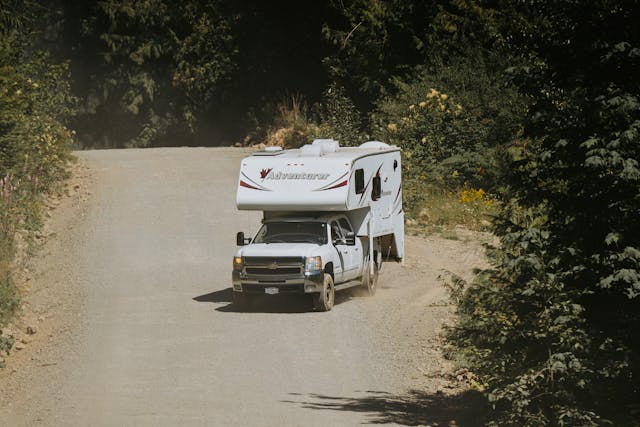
[(351, 239), (241, 240)]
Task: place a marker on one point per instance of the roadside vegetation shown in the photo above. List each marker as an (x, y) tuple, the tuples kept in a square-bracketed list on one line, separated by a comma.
[(521, 118), (34, 144)]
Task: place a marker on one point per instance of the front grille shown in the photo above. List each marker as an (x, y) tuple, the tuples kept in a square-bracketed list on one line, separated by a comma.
[(267, 260), (274, 268), (279, 271)]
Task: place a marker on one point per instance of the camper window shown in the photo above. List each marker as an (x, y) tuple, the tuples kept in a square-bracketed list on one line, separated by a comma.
[(376, 191), (359, 181)]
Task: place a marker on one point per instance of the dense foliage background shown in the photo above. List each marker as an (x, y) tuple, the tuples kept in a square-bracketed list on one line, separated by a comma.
[(553, 328), (528, 110)]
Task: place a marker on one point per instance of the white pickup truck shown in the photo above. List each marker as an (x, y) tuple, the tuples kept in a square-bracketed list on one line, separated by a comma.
[(330, 216)]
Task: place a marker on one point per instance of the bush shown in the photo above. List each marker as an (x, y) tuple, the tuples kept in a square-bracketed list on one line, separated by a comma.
[(34, 145), (340, 119), (455, 123), (553, 329), (293, 125), (436, 209), (452, 120)]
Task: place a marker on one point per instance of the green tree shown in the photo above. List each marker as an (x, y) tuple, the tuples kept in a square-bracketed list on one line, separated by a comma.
[(374, 42), (377, 42), (144, 69), (553, 328), (340, 119)]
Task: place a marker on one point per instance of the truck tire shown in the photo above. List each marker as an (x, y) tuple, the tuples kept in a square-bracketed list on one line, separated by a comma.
[(371, 281), (324, 300)]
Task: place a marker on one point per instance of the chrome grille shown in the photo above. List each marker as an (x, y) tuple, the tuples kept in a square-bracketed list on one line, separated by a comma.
[(266, 260), (274, 267)]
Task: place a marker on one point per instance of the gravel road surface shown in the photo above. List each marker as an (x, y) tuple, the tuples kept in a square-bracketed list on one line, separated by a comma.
[(139, 330)]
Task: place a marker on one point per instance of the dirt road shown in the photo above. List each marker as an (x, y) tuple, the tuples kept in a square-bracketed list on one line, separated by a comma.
[(144, 333)]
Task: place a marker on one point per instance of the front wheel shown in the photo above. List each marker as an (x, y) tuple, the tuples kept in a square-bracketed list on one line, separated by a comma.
[(325, 299)]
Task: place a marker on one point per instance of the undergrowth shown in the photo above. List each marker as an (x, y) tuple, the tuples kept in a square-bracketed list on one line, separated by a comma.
[(34, 150), (431, 209)]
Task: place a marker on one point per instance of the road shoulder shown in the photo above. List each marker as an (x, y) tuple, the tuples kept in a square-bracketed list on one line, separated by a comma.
[(51, 317)]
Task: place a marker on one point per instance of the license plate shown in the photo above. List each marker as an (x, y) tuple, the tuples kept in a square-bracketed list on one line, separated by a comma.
[(271, 291)]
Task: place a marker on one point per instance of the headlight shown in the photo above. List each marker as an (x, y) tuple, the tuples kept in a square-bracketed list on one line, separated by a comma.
[(237, 263), (314, 263)]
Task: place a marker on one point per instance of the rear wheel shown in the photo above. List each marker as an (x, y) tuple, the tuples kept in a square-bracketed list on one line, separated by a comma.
[(325, 299), (371, 280)]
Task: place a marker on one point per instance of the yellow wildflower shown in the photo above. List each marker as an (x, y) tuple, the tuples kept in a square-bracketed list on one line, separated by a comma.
[(432, 93), (444, 96), (472, 195), (411, 107), (392, 127), (423, 104)]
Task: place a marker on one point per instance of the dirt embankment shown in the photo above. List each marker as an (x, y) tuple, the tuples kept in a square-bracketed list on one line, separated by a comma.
[(50, 316)]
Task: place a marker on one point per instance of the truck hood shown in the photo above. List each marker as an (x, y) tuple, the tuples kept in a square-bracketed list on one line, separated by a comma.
[(279, 249)]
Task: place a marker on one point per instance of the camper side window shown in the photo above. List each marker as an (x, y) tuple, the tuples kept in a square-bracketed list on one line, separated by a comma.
[(376, 191), (359, 181)]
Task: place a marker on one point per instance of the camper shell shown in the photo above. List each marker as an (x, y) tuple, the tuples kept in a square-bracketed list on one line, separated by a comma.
[(321, 181)]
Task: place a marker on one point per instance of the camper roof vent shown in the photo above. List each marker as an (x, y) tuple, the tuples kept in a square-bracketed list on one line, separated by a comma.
[(375, 145), (326, 145), (309, 150), (270, 151)]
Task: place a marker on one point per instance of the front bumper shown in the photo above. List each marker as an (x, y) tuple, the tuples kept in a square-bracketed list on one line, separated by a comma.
[(311, 283)]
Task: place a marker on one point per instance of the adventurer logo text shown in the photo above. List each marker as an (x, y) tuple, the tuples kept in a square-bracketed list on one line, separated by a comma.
[(271, 174)]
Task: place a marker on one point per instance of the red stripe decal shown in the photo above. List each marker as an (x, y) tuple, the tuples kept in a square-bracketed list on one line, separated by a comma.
[(342, 184), (244, 184)]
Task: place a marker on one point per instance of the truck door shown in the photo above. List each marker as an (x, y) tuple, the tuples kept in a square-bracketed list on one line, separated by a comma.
[(352, 253), (337, 238)]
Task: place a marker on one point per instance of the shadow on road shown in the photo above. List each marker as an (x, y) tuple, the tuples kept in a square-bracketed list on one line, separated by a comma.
[(224, 295), (266, 304), (416, 408)]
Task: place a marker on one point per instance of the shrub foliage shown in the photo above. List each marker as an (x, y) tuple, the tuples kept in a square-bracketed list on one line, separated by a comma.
[(34, 144), (553, 328)]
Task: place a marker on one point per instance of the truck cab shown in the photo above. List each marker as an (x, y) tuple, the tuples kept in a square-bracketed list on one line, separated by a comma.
[(312, 255)]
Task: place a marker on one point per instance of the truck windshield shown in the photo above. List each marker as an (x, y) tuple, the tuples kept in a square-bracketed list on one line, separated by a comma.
[(292, 232)]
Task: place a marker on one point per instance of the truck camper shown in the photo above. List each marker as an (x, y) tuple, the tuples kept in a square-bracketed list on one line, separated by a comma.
[(331, 215)]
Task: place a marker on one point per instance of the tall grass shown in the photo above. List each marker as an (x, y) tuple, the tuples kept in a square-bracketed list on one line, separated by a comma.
[(431, 208), (293, 124)]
